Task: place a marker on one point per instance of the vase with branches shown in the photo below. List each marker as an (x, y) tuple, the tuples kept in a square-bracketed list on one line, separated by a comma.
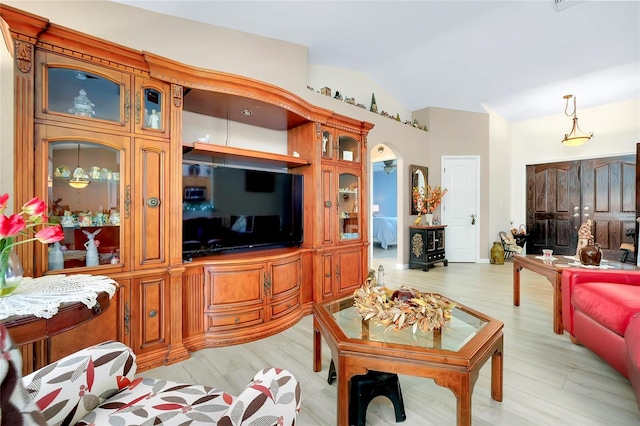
[(426, 199)]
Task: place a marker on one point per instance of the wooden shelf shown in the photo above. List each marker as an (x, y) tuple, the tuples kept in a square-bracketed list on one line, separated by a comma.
[(247, 156)]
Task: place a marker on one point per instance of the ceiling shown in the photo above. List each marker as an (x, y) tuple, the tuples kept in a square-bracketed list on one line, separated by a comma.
[(517, 58)]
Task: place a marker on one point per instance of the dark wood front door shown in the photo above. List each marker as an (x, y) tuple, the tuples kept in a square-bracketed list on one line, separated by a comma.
[(609, 198), (553, 200), (562, 196)]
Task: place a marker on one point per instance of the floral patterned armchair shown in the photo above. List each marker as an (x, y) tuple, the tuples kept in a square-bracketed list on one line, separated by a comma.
[(97, 386)]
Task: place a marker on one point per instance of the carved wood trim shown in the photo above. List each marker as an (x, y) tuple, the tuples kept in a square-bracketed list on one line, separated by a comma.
[(23, 56), (176, 93)]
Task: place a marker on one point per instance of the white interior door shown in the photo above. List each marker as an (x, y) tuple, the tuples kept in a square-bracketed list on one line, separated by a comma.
[(460, 206)]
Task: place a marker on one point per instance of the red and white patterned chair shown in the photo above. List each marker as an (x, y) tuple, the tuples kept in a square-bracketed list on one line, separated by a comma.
[(97, 386)]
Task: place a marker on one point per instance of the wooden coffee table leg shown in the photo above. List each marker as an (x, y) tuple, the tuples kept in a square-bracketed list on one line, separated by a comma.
[(317, 347), (344, 375), (464, 402), (516, 283), (557, 305), (496, 372)]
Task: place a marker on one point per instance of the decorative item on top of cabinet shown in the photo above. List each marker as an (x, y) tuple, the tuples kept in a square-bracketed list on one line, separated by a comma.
[(427, 246)]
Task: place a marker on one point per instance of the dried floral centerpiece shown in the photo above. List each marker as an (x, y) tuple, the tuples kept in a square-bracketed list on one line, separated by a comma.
[(402, 308)]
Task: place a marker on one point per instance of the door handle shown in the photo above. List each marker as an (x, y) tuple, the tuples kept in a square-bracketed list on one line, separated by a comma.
[(473, 218)]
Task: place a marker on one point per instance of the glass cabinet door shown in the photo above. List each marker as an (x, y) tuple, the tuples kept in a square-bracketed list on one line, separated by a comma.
[(348, 202), (83, 94), (151, 107), (84, 195), (152, 99), (348, 149), (327, 145)]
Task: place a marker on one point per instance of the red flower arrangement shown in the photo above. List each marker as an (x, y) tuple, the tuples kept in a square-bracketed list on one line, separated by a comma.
[(32, 216)]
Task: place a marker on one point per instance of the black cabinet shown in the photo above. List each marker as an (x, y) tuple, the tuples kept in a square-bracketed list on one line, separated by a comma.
[(426, 246)]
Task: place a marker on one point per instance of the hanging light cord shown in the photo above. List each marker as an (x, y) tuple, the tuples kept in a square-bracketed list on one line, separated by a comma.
[(573, 114)]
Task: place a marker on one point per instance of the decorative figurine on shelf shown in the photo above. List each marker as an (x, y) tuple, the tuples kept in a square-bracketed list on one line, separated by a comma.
[(68, 220), (92, 248), (82, 106), (337, 96), (95, 172), (114, 218), (374, 105), (154, 119)]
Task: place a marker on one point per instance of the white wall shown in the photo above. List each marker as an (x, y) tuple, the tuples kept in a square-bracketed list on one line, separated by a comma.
[(355, 84), (616, 129)]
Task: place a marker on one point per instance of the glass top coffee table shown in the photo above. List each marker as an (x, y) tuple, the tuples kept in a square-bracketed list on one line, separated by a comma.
[(452, 356)]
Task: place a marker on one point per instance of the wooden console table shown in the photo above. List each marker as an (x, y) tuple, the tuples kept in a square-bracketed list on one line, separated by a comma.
[(26, 329), (33, 332)]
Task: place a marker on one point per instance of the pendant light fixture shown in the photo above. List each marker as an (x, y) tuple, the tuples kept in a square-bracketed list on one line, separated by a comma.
[(80, 178), (576, 137)]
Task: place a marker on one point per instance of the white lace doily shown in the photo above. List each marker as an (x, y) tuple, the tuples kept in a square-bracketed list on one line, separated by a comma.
[(43, 296)]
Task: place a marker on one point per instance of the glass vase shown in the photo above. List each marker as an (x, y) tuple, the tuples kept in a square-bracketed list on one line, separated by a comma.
[(11, 273)]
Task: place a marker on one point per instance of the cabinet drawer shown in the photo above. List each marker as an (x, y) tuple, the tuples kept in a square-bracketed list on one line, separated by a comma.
[(279, 309), (218, 322), (435, 256)]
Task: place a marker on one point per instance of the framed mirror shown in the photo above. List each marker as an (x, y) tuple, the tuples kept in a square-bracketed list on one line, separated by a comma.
[(419, 177)]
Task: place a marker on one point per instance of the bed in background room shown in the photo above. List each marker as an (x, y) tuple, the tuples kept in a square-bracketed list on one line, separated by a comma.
[(385, 231)]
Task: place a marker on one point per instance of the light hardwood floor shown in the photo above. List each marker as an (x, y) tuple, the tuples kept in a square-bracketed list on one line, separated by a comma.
[(547, 379)]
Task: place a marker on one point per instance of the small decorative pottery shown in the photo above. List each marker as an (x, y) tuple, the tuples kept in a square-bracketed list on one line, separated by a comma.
[(497, 253), (591, 255)]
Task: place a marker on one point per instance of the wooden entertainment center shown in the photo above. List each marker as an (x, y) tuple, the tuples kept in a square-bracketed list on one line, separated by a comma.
[(117, 115)]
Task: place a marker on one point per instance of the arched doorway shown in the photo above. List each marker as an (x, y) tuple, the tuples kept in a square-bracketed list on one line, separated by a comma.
[(384, 205)]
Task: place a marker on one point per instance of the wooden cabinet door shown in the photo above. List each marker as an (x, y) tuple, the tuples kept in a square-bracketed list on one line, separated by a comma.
[(330, 206), (150, 313), (151, 108), (234, 287), (234, 296), (328, 276), (349, 269), (285, 277), (149, 198), (284, 285)]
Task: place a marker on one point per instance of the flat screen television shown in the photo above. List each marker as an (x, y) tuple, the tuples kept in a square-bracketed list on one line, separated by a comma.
[(227, 208)]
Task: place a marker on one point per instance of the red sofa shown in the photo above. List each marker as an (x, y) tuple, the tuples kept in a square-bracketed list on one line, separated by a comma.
[(601, 311)]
